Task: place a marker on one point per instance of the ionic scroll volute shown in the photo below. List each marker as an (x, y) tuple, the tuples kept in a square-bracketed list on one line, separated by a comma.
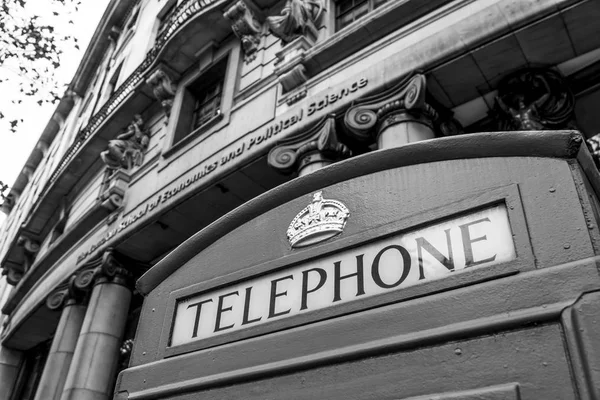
[(399, 115), (246, 27), (309, 150)]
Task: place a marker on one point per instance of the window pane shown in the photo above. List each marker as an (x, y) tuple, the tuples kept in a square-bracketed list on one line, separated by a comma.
[(344, 6), (363, 9), (377, 3)]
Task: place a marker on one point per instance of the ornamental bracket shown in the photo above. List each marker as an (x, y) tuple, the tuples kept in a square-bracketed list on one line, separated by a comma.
[(246, 27), (163, 88)]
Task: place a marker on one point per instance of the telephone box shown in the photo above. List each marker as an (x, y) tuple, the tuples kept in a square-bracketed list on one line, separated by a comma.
[(453, 268)]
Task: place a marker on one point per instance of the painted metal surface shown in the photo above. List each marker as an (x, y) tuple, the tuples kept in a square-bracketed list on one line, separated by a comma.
[(524, 328)]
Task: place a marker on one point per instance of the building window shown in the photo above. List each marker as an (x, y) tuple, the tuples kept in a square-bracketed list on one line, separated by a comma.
[(348, 11), (208, 103), (202, 101)]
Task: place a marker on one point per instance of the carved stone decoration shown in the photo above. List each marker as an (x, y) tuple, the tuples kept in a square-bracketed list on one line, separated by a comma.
[(105, 266), (294, 153), (404, 102), (294, 78), (163, 88), (593, 144), (246, 27), (30, 249), (408, 95), (58, 298), (296, 19), (127, 150), (13, 274), (289, 64), (113, 189), (534, 99)]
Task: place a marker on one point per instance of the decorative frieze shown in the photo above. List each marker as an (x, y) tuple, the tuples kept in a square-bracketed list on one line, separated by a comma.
[(246, 27), (127, 150), (163, 88), (297, 18), (318, 144), (534, 99)]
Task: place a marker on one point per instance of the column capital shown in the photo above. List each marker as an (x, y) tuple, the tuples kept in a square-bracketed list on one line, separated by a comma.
[(293, 153), (60, 296), (101, 269), (404, 102), (534, 99)]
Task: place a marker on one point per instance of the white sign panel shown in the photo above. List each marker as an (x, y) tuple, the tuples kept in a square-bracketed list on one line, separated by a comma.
[(476, 240)]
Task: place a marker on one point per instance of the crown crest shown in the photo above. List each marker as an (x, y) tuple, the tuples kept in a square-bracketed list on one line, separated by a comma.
[(320, 220)]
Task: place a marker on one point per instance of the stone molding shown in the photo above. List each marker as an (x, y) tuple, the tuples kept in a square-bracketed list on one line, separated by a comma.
[(404, 102), (246, 27), (14, 272), (163, 88), (294, 152), (534, 99), (113, 189), (297, 18)]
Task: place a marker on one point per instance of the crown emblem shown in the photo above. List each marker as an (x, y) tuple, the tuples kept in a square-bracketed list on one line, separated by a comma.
[(320, 220)]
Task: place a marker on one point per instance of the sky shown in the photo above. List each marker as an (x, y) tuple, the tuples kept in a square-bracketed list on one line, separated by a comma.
[(16, 147)]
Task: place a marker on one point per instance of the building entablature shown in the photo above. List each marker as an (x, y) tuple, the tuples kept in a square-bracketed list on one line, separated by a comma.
[(318, 83)]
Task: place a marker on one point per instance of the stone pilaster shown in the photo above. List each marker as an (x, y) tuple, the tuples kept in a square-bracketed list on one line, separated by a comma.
[(309, 150), (10, 363), (398, 116), (67, 299), (96, 356)]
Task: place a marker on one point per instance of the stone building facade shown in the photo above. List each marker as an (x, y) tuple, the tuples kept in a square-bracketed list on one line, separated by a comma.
[(184, 110)]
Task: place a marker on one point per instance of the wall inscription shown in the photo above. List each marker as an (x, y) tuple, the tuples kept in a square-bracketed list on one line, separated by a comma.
[(478, 239), (230, 153)]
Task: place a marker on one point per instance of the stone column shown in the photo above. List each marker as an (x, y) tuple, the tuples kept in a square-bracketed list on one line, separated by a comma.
[(93, 368), (398, 116), (64, 342), (10, 363), (309, 150)]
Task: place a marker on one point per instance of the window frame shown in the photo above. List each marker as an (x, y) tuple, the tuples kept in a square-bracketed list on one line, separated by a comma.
[(180, 118), (372, 5)]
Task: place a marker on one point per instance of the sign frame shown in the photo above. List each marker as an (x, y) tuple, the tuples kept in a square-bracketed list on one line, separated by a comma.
[(470, 203)]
